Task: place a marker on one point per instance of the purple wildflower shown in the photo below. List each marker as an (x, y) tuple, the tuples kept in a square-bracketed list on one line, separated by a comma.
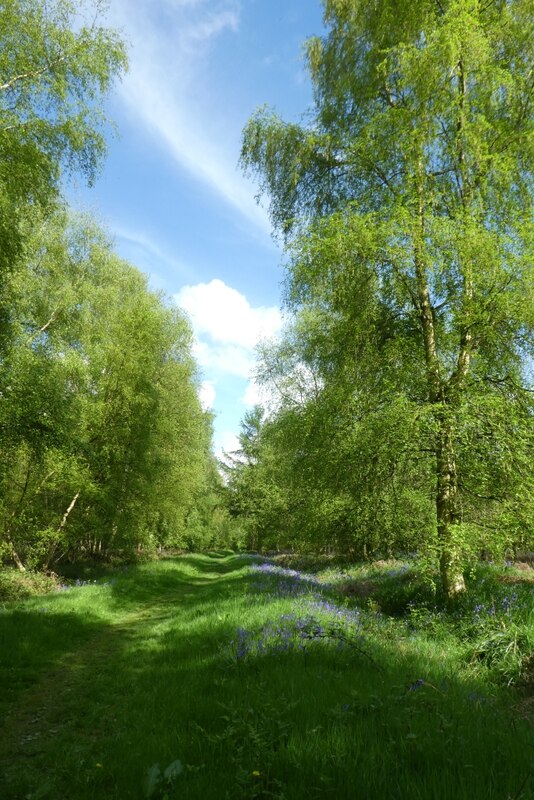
[(417, 685), (241, 649)]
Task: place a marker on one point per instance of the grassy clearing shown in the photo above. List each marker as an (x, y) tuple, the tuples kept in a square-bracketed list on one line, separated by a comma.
[(207, 677)]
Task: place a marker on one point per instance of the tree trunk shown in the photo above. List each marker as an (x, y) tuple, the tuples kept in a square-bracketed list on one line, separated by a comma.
[(17, 560), (52, 548), (14, 555), (447, 512), (446, 477)]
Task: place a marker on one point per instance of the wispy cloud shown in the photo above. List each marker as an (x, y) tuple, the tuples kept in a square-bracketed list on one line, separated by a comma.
[(171, 82), (213, 24), (147, 254)]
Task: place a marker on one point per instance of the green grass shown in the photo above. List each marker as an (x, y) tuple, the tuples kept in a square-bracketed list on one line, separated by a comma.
[(106, 686)]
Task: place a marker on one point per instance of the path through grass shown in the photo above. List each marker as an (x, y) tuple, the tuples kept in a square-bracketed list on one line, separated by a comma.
[(246, 684)]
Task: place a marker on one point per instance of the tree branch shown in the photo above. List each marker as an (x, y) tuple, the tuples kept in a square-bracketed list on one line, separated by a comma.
[(45, 326), (67, 512), (4, 87)]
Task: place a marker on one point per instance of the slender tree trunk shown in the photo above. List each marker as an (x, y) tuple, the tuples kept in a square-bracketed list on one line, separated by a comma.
[(446, 477), (447, 510), (62, 524), (447, 493), (15, 556)]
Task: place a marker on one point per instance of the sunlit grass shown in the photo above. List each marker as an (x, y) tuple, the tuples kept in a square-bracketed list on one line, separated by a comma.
[(258, 688)]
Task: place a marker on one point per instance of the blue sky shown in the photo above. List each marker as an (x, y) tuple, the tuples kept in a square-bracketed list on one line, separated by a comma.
[(171, 191)]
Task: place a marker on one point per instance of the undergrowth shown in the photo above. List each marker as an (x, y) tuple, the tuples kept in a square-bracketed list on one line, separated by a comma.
[(16, 585)]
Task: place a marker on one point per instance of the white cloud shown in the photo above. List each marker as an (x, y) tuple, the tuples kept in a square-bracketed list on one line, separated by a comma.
[(226, 443), (207, 395), (229, 442), (227, 329), (226, 316), (254, 395), (169, 88), (225, 359)]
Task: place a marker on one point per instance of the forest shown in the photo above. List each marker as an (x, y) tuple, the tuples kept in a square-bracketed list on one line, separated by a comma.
[(400, 400), (404, 409), (369, 545), (105, 446)]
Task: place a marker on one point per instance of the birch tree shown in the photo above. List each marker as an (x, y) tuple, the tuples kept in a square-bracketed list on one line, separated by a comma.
[(57, 63), (405, 199)]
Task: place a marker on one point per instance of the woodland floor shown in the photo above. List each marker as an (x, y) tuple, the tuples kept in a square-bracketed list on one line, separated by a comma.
[(217, 677)]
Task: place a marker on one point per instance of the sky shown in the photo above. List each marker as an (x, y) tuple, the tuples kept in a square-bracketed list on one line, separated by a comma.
[(171, 192)]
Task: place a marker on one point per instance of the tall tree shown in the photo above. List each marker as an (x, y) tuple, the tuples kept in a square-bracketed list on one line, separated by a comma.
[(57, 62), (254, 491), (105, 445), (406, 201)]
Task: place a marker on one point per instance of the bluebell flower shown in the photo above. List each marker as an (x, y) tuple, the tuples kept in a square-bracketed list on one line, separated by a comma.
[(417, 685), (241, 649)]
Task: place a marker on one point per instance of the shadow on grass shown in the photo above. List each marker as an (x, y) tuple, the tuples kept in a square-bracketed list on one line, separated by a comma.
[(215, 563), (296, 725), (33, 641), (36, 635), (187, 580)]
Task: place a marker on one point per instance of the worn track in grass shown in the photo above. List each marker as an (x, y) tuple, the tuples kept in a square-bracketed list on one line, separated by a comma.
[(152, 678)]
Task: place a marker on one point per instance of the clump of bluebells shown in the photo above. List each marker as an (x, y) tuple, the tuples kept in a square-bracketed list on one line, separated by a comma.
[(489, 602), (497, 621), (65, 587), (494, 620), (316, 620), (299, 631), (279, 582), (398, 572), (348, 616), (503, 606)]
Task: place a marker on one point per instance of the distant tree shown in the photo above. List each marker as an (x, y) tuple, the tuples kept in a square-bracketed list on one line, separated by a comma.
[(354, 468), (406, 203), (255, 494)]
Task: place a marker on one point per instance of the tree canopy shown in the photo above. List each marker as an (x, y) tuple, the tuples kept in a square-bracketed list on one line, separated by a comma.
[(57, 62), (105, 447), (405, 200), (100, 421)]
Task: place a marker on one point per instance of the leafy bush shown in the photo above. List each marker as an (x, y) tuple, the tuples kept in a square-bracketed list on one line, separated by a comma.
[(16, 585)]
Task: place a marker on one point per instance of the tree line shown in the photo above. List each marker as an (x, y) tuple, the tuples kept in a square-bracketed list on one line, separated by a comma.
[(104, 445), (401, 393)]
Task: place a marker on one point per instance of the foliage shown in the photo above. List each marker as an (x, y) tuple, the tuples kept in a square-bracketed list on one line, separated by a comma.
[(253, 498), (105, 443), (209, 523), (105, 448), (405, 201), (15, 585), (57, 62)]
